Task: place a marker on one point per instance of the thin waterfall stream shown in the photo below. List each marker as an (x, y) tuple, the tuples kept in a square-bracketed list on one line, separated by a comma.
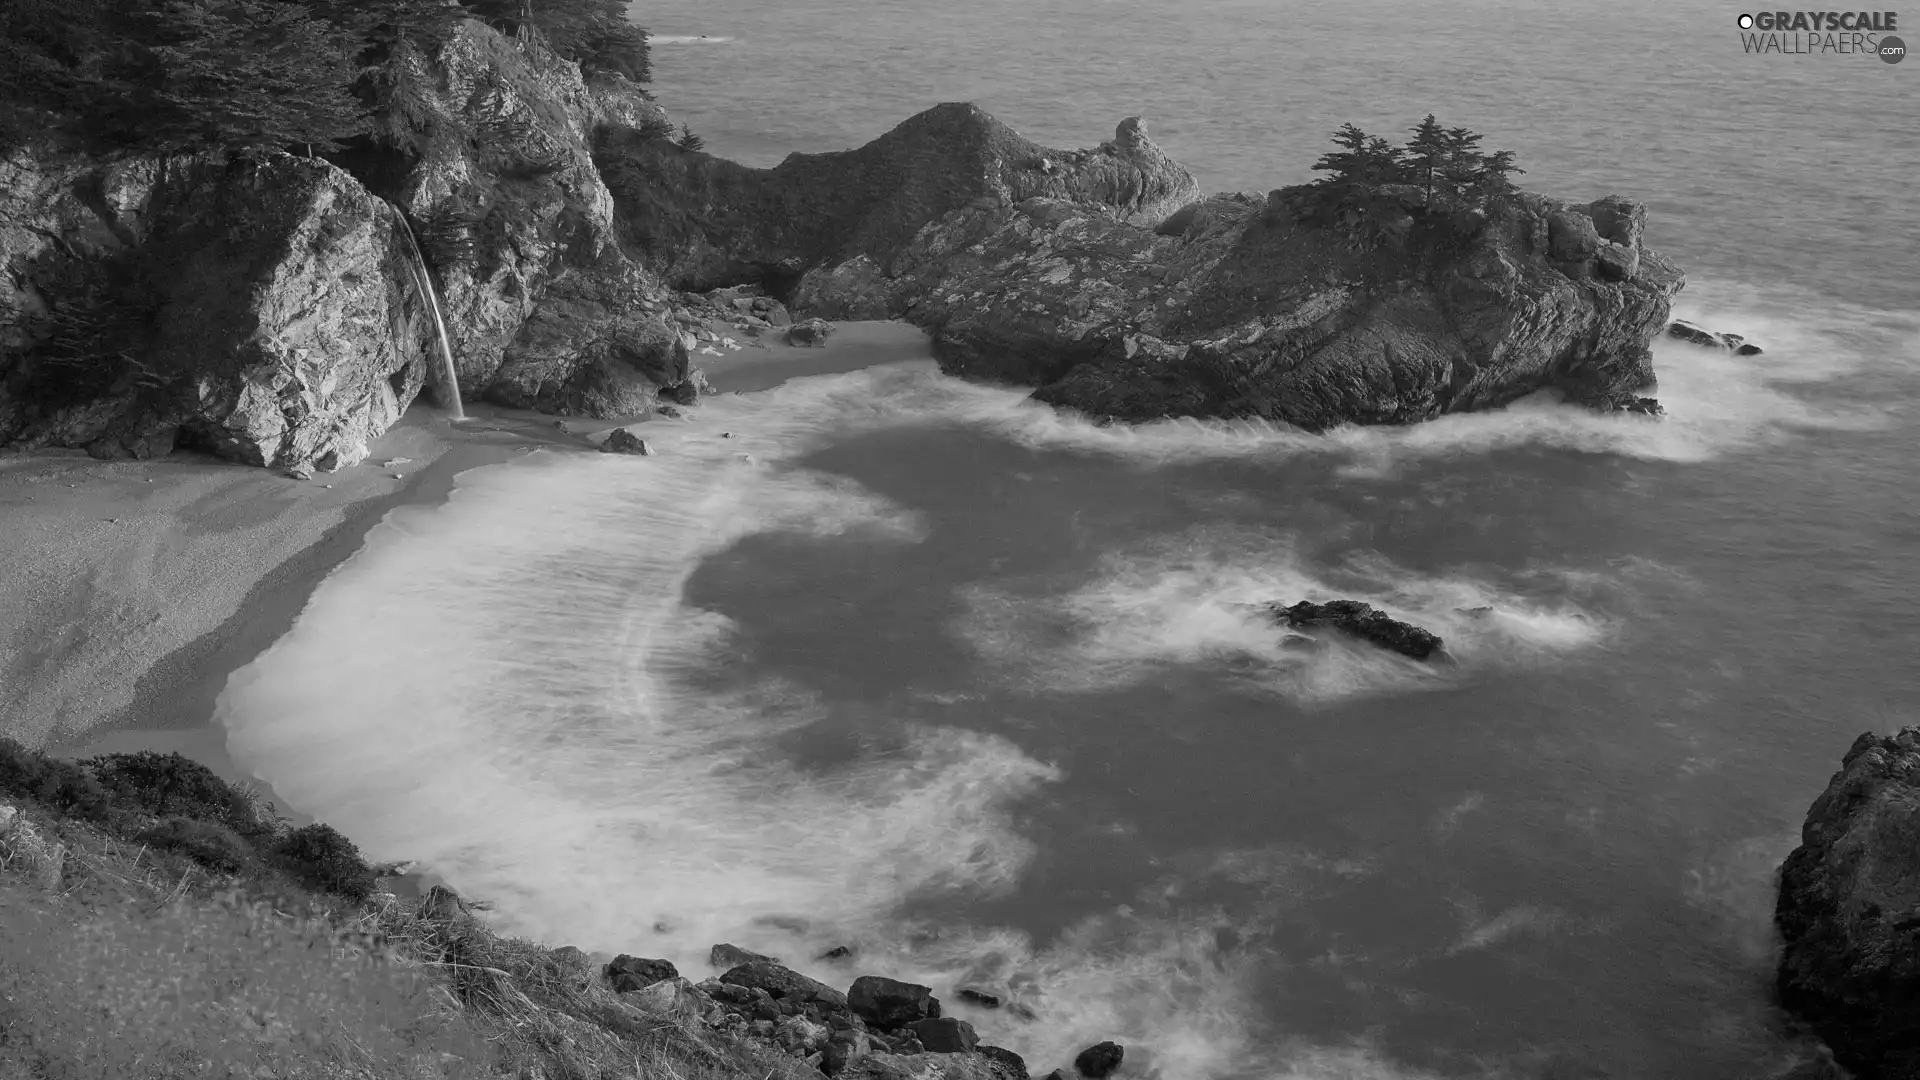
[(449, 380)]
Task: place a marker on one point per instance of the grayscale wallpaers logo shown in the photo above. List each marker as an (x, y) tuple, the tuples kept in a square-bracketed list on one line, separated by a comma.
[(1841, 33)]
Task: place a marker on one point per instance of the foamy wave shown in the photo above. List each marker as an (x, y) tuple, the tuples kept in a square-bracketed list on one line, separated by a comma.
[(1191, 601)]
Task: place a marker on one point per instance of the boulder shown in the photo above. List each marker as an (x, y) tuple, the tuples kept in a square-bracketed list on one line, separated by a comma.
[(1848, 910), (630, 973), (784, 984), (945, 1035), (1007, 1063), (1619, 219), (888, 1003), (811, 332), (1571, 236), (731, 956), (978, 997), (622, 441), (1099, 1060), (1359, 620)]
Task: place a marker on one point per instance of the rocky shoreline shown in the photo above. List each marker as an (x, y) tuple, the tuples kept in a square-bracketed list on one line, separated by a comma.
[(263, 309)]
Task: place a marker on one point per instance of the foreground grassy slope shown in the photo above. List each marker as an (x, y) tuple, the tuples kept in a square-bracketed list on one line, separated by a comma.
[(231, 957)]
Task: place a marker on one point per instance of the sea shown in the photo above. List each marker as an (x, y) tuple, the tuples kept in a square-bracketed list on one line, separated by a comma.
[(896, 662)]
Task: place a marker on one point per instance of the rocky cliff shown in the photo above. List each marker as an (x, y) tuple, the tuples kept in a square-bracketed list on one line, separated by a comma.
[(1849, 911), (261, 309)]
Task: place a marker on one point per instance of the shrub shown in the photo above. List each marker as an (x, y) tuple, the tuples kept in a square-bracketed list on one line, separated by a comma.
[(688, 141), (323, 859), (61, 785), (173, 784), (213, 846)]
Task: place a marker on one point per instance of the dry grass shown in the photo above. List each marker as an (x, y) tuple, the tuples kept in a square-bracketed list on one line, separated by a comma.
[(129, 963)]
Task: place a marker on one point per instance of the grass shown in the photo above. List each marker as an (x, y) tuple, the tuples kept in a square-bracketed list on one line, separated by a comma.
[(197, 945)]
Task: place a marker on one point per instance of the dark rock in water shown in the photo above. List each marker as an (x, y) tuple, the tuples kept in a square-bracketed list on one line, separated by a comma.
[(784, 984), (669, 411), (1700, 335), (945, 1035), (684, 392), (1360, 620), (732, 956), (810, 332), (838, 952), (622, 441), (978, 997), (1645, 406), (1686, 331), (1099, 1060), (1007, 1063), (888, 1003), (1849, 911), (630, 973)]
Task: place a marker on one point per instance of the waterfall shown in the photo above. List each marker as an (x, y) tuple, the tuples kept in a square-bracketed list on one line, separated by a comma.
[(449, 380)]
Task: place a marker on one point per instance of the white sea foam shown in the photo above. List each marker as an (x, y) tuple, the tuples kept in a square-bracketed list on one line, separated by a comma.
[(1192, 600)]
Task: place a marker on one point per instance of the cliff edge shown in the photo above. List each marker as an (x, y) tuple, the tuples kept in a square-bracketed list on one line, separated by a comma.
[(1849, 911)]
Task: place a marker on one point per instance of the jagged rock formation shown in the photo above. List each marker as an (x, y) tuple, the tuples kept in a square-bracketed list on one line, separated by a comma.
[(703, 221), (1242, 307), (1360, 620), (1700, 335), (1849, 911), (252, 309), (260, 310)]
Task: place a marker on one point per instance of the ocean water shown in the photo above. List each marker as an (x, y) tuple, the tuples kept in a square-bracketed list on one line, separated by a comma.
[(911, 665)]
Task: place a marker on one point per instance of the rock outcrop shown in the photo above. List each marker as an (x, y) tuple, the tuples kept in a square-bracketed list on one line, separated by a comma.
[(1700, 335), (702, 221), (261, 310), (1360, 620), (1247, 308), (1849, 911)]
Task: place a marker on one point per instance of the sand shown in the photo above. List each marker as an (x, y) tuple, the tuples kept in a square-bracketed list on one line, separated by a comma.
[(129, 590)]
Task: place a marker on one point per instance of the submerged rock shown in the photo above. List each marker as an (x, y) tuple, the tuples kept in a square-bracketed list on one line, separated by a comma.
[(1849, 911), (1099, 1060), (1699, 335), (1360, 620)]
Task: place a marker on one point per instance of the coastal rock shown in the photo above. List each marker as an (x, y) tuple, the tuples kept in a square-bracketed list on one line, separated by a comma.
[(253, 309), (622, 441), (887, 1003), (978, 997), (1240, 307), (731, 956), (1099, 1060), (945, 1035), (809, 332), (702, 221), (1006, 1062), (1848, 911), (1359, 620), (926, 1066), (630, 973), (784, 984), (1699, 335)]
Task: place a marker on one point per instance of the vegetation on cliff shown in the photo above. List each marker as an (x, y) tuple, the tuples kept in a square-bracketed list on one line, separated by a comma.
[(256, 75), (156, 921), (1378, 191)]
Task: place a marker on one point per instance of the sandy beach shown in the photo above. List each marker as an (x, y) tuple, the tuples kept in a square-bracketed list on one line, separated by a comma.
[(131, 590)]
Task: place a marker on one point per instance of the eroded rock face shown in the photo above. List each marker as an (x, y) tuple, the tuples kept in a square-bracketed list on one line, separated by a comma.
[(702, 221), (254, 308), (1242, 308), (1849, 911)]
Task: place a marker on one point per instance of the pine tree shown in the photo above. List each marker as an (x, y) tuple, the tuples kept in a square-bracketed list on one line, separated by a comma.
[(1344, 164), (250, 75), (1428, 149), (1494, 170), (1381, 162), (688, 141)]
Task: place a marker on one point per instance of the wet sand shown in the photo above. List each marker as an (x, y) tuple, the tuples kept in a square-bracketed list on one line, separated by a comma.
[(130, 591)]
